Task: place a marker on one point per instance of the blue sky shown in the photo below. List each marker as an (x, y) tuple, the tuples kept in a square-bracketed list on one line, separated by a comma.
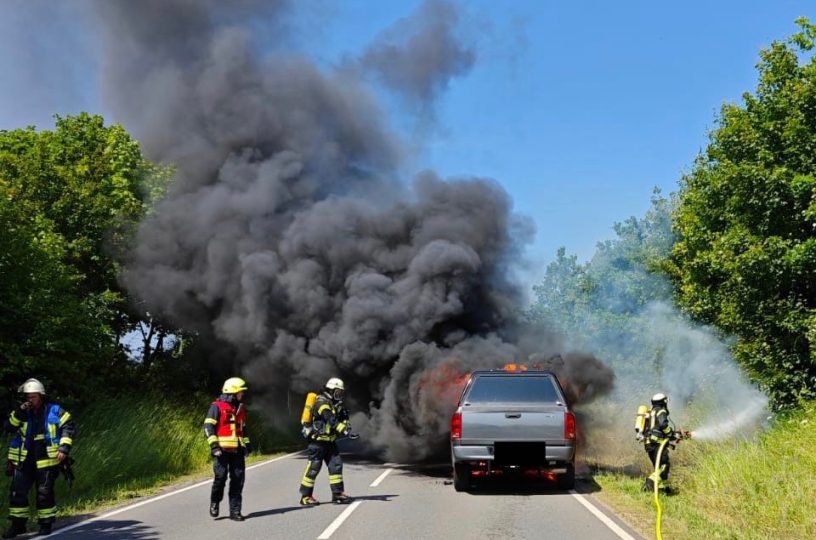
[(577, 108)]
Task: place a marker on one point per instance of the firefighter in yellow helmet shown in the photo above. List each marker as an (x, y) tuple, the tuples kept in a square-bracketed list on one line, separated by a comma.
[(329, 422), (226, 432), (43, 436)]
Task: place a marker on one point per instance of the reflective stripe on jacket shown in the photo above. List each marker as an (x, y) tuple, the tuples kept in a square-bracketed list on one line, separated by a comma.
[(225, 425), (327, 422), (57, 435), (659, 427)]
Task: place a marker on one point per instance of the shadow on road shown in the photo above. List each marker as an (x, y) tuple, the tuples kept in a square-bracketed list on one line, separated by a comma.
[(274, 511), (120, 530)]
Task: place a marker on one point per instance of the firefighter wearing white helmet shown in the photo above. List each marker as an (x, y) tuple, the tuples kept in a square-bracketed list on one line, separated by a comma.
[(226, 432), (329, 422), (658, 429), (43, 436)]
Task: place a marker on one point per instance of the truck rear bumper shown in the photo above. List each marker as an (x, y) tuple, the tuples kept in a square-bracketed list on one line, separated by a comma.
[(460, 453)]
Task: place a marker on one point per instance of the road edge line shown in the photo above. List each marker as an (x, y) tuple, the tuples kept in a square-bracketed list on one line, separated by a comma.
[(133, 506), (614, 527), (334, 525)]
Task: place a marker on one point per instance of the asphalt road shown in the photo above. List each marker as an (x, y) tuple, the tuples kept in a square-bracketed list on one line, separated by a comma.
[(393, 502)]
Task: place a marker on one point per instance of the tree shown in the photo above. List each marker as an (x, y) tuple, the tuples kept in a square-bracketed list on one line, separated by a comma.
[(745, 259), (72, 198), (598, 304), (45, 327)]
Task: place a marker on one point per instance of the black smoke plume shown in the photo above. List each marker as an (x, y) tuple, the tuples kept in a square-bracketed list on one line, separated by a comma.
[(287, 236)]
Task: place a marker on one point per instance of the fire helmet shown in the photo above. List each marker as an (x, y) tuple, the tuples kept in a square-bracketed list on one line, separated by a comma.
[(32, 386), (336, 388), (660, 397), (233, 385)]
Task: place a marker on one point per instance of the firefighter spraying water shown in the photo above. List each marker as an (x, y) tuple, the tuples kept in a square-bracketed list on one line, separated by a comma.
[(655, 429)]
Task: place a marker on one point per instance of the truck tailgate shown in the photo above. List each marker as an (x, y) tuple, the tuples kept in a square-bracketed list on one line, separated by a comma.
[(508, 424)]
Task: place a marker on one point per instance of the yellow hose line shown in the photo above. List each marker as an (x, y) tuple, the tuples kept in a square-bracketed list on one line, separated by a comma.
[(656, 483)]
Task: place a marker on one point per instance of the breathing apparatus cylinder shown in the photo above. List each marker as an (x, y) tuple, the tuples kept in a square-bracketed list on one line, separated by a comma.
[(306, 417), (640, 419)]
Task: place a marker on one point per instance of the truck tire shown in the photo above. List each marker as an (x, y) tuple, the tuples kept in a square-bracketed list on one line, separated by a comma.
[(566, 481), (461, 476)]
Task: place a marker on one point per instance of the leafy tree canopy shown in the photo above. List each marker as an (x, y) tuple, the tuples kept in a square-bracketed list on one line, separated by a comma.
[(745, 259)]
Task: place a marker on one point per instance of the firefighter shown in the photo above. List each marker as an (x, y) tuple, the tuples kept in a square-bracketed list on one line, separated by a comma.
[(330, 421), (43, 435), (658, 428), (225, 428)]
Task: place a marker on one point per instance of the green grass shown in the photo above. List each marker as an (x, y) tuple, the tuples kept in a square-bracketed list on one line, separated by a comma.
[(127, 447), (758, 489)]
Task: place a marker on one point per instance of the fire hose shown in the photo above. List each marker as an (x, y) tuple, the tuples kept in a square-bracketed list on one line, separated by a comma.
[(655, 476)]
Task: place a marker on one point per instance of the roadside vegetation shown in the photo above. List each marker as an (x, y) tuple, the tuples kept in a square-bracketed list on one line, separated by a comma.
[(130, 445), (746, 489)]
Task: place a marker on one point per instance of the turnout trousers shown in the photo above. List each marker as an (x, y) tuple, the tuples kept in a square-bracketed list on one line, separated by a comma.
[(651, 450), (230, 464), (26, 476), (317, 453)]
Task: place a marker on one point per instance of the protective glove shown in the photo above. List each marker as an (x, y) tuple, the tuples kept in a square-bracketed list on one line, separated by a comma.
[(353, 436), (25, 406), (247, 449), (216, 451), (342, 414)]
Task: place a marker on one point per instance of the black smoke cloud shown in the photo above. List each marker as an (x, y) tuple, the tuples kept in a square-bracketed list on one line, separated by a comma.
[(288, 239), (419, 55)]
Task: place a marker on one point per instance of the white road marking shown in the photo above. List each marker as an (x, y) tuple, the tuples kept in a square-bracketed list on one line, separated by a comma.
[(160, 497), (380, 478), (339, 521), (614, 527)]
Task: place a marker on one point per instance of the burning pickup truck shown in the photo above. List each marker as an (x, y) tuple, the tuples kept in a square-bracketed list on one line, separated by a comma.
[(513, 420)]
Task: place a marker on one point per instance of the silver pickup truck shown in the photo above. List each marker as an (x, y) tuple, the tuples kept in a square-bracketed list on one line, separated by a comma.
[(513, 420)]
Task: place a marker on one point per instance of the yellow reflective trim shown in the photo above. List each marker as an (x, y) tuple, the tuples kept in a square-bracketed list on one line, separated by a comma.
[(39, 437), (212, 421), (341, 427), (211, 439), (323, 408), (66, 440), (13, 420), (64, 418), (336, 479), (46, 512), (245, 440), (19, 511), (43, 463)]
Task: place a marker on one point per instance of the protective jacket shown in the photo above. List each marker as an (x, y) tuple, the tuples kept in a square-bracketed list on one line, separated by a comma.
[(225, 424), (330, 419), (658, 427), (40, 434)]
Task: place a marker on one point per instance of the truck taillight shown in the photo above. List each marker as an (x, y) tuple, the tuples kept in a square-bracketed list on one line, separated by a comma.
[(456, 425), (569, 425)]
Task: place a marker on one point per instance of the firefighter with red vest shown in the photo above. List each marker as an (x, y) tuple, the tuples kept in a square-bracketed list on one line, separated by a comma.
[(43, 435), (330, 421), (225, 428)]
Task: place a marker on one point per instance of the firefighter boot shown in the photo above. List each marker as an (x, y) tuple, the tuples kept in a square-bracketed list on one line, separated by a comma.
[(341, 498), (45, 528), (648, 485), (236, 516), (214, 509), (18, 526), (308, 500)]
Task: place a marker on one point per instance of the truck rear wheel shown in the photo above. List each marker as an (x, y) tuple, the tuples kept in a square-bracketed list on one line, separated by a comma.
[(461, 476), (566, 480)]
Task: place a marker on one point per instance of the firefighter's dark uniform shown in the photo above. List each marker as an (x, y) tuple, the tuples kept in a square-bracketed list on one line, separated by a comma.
[(39, 435), (658, 429), (330, 421), (225, 427)]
